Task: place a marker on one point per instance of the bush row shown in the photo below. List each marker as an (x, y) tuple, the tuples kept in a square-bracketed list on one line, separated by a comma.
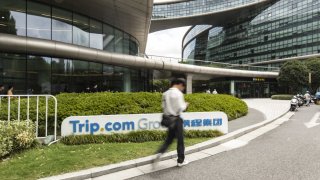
[(79, 104), (134, 137), (282, 97), (16, 136)]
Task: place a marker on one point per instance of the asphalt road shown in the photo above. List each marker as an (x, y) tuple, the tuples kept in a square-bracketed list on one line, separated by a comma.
[(289, 152)]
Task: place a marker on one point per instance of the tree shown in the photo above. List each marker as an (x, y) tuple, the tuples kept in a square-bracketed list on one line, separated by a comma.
[(161, 85), (294, 76), (314, 68)]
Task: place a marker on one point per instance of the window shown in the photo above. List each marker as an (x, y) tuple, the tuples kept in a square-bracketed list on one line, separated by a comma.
[(61, 25), (81, 30), (39, 74), (108, 39), (96, 36), (118, 41), (13, 17), (38, 20)]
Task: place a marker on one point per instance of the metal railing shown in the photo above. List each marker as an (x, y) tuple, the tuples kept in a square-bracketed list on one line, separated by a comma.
[(15, 101), (211, 63)]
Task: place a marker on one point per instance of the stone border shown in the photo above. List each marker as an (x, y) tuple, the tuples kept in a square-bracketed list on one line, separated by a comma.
[(104, 170)]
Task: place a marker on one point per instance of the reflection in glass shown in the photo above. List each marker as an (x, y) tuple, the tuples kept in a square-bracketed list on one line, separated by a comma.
[(39, 20), (61, 25), (13, 71), (39, 74), (96, 36), (118, 41), (13, 17), (133, 46), (126, 39), (61, 74), (108, 39), (81, 30)]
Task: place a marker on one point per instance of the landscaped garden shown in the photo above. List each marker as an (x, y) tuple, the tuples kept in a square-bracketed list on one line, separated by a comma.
[(22, 157)]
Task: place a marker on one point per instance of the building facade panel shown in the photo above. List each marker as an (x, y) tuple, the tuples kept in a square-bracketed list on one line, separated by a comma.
[(280, 29), (31, 73)]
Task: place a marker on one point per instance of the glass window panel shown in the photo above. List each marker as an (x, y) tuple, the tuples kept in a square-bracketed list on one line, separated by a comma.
[(118, 41), (81, 30), (95, 76), (13, 17), (126, 39), (79, 79), (39, 74), (96, 36), (134, 50), (13, 72), (108, 39), (61, 73), (38, 20), (61, 25)]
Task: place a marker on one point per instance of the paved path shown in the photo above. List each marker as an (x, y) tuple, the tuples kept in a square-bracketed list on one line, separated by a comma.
[(270, 108), (260, 110), (254, 116), (290, 151)]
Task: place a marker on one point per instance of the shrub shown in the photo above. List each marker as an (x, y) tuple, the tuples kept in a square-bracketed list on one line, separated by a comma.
[(16, 136), (80, 104), (133, 137), (282, 97)]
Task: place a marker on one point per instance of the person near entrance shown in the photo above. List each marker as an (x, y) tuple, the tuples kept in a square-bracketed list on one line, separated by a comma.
[(214, 91), (307, 97), (173, 105), (2, 92)]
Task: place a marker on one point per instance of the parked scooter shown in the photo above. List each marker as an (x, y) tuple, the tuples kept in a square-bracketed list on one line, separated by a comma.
[(300, 99), (294, 104)]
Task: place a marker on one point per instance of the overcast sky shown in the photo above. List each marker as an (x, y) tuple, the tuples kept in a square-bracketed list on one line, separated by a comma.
[(166, 43)]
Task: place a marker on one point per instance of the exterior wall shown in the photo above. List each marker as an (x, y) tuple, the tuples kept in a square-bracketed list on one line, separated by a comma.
[(281, 29), (195, 7), (30, 73)]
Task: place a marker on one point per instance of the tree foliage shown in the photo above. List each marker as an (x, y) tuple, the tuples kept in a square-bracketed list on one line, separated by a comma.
[(294, 76), (314, 68)]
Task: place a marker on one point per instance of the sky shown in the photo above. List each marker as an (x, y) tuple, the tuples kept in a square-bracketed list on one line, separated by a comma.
[(166, 43)]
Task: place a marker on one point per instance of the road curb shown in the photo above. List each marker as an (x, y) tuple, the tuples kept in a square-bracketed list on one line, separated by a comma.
[(104, 170)]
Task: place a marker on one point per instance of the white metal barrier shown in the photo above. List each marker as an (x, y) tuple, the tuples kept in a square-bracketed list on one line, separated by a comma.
[(7, 100)]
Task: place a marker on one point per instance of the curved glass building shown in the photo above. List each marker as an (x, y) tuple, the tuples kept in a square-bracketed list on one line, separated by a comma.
[(110, 26), (263, 35)]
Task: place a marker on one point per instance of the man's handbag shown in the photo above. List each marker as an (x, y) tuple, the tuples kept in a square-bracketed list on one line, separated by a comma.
[(168, 121)]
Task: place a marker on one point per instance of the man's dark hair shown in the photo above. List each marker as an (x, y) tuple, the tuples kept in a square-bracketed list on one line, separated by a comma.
[(1, 85), (178, 81)]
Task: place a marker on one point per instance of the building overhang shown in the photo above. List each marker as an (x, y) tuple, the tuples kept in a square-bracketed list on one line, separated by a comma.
[(133, 17), (26, 45), (215, 18)]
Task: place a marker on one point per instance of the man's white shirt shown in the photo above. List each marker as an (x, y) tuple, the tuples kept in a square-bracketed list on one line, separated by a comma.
[(173, 102)]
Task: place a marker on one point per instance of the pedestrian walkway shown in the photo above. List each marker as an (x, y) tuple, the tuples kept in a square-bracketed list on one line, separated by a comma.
[(260, 110), (270, 108)]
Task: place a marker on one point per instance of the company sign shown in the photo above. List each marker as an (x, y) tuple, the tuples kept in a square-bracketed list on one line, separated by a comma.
[(106, 124)]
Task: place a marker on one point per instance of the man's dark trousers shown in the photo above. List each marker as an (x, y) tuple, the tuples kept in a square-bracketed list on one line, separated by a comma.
[(176, 131)]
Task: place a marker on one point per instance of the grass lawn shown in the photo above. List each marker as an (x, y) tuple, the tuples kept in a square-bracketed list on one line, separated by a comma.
[(60, 158)]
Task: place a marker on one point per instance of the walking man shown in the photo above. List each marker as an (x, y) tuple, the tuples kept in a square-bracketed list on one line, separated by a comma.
[(173, 105)]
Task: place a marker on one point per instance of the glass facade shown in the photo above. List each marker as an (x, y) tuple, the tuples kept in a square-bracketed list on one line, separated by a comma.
[(280, 29), (195, 7), (30, 73), (33, 19), (43, 75)]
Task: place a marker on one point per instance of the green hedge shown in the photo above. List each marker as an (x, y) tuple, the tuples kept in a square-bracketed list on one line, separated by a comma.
[(16, 136), (282, 97), (134, 137), (78, 104)]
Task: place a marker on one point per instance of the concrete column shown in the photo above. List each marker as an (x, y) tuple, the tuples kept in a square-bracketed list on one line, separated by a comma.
[(232, 90), (189, 83)]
